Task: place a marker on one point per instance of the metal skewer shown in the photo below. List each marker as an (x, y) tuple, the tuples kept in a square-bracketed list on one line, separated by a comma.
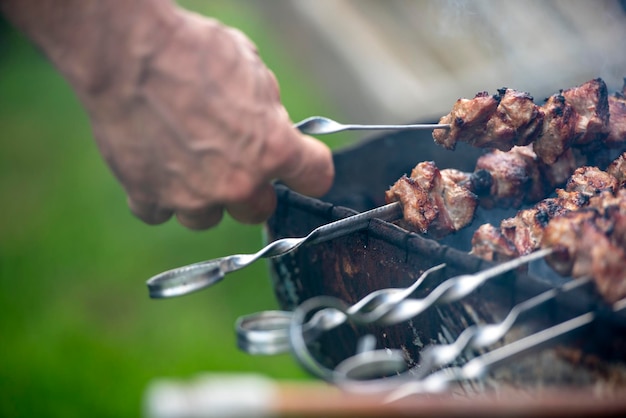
[(435, 356), (193, 277), (267, 332), (481, 336), (318, 125), (478, 367), (392, 313)]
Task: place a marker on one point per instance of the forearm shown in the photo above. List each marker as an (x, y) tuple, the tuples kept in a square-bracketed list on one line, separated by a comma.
[(94, 43)]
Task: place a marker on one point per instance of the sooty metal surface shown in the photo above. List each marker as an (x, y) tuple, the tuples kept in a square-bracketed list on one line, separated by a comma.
[(386, 255)]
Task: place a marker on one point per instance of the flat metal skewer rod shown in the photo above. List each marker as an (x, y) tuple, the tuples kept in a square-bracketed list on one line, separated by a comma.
[(318, 125), (193, 277), (479, 366)]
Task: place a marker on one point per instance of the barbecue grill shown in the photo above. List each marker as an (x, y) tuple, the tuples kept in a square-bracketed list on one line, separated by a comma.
[(385, 255)]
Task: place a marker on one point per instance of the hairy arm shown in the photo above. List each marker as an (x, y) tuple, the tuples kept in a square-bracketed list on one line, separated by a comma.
[(183, 110)]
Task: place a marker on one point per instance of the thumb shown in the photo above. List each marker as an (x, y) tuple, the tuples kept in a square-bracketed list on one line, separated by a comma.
[(310, 171)]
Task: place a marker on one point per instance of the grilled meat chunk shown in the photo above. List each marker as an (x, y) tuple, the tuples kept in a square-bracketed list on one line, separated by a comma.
[(617, 120), (590, 102), (419, 210), (490, 244), (591, 180), (585, 225), (516, 121), (512, 173), (502, 179), (590, 243), (618, 169), (583, 116), (524, 232), (433, 201), (558, 131), (468, 119), (502, 121)]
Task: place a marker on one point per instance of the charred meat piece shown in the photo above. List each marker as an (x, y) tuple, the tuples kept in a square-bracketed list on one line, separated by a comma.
[(512, 173), (516, 121), (524, 232), (490, 244), (468, 119), (588, 243), (618, 169), (502, 121), (583, 116), (432, 200), (558, 131), (502, 179), (617, 120), (419, 210), (590, 101), (557, 173), (591, 181)]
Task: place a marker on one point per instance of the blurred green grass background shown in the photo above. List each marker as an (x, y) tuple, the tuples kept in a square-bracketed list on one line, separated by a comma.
[(78, 334)]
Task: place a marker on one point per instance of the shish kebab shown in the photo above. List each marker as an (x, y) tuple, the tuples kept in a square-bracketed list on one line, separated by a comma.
[(442, 201), (539, 155)]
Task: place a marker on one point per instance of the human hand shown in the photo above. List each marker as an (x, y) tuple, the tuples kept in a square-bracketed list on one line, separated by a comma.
[(198, 128)]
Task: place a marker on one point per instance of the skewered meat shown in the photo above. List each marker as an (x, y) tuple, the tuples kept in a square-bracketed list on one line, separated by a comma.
[(524, 231), (519, 176), (502, 179), (585, 225), (618, 170), (559, 129), (583, 116), (433, 200), (516, 121), (467, 120), (591, 181), (617, 119), (590, 102), (591, 242), (490, 244)]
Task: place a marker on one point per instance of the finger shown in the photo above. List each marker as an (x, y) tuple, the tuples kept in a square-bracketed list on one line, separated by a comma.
[(200, 219), (310, 171), (150, 213), (256, 208)]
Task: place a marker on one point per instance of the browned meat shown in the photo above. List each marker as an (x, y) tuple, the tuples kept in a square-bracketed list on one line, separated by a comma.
[(618, 169), (585, 225), (433, 201), (525, 229), (468, 119), (520, 176), (564, 235), (557, 173), (583, 116), (418, 208), (586, 243), (512, 174), (524, 232), (502, 121), (503, 179), (490, 244), (558, 131), (590, 181), (617, 120), (516, 121), (590, 102)]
